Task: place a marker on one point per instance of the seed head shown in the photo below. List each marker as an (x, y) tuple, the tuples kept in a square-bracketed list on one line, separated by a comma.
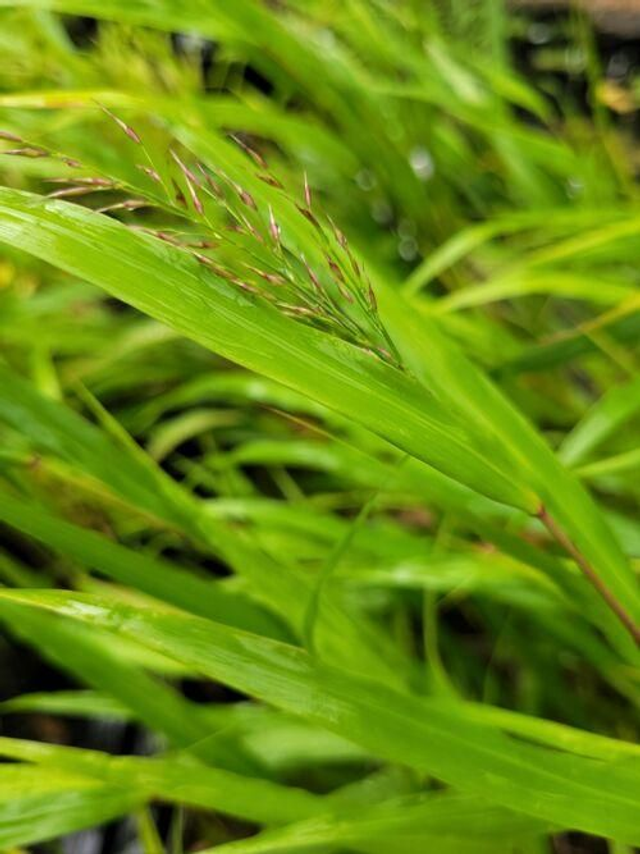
[(201, 244), (96, 182), (165, 236), (335, 269), (180, 199), (339, 236), (127, 205), (99, 183), (195, 199), (271, 181), (307, 192), (309, 215), (150, 172), (127, 129), (315, 281), (272, 278), (191, 182), (345, 292), (69, 192), (247, 198), (184, 169), (215, 268), (27, 151), (213, 186), (254, 155), (245, 286), (134, 204), (301, 310), (274, 228)]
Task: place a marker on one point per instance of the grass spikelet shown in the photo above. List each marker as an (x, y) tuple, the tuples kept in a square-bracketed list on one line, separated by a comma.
[(309, 215), (70, 192), (124, 127), (191, 182), (179, 196), (307, 192), (126, 205), (257, 158), (26, 151), (272, 181), (150, 172), (274, 228)]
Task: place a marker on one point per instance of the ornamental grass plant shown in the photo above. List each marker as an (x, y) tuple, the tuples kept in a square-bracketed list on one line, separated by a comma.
[(319, 409)]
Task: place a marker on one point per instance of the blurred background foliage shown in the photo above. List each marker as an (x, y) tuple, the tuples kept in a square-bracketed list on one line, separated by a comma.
[(481, 160)]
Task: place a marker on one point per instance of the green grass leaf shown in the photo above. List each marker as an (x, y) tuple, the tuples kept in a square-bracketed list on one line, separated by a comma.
[(37, 806), (425, 734), (172, 287)]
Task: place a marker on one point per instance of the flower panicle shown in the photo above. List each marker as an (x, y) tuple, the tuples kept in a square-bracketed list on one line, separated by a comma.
[(246, 245)]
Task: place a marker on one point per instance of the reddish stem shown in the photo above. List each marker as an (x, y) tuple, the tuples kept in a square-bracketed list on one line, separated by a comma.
[(618, 609)]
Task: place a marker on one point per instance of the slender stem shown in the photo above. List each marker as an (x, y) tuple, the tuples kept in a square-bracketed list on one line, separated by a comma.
[(618, 609)]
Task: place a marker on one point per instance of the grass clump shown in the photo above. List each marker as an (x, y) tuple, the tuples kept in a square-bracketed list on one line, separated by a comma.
[(319, 400)]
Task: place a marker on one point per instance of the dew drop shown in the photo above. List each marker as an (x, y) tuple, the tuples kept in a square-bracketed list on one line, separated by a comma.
[(539, 33), (366, 180), (421, 163), (408, 249)]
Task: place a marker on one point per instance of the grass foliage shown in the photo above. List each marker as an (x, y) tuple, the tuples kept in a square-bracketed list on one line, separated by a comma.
[(318, 381)]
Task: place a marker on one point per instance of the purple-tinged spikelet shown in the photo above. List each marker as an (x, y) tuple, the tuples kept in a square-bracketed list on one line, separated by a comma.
[(127, 129)]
